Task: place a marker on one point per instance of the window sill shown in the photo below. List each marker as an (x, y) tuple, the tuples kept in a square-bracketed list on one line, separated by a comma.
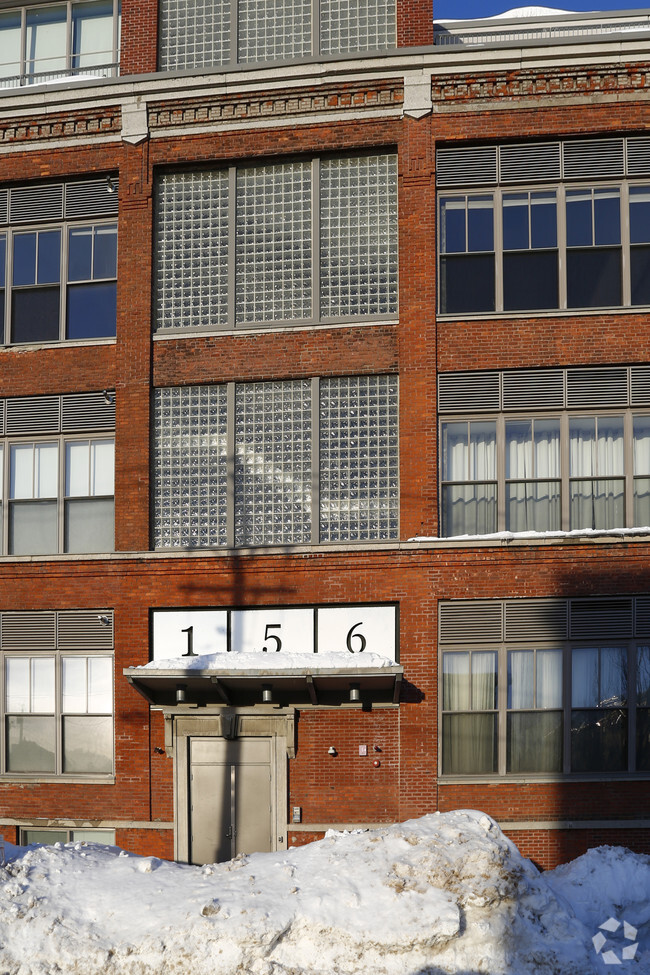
[(540, 778), (554, 313), (60, 344), (16, 778), (167, 334)]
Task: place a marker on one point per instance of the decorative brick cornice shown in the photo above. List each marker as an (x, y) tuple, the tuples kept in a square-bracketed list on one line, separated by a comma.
[(210, 109), (62, 125), (554, 82)]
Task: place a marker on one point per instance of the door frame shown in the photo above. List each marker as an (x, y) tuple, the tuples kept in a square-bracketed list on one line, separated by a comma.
[(230, 724)]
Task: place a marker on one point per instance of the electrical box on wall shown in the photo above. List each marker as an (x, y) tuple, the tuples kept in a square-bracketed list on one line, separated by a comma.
[(363, 750), (296, 814)]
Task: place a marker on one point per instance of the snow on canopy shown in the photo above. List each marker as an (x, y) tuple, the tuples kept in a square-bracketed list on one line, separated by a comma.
[(443, 894)]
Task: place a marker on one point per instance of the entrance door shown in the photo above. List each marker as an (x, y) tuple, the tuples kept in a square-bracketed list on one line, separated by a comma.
[(230, 798)]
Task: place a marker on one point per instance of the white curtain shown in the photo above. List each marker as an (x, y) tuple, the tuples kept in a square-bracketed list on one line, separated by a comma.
[(596, 457), (533, 457), (469, 454), (469, 737)]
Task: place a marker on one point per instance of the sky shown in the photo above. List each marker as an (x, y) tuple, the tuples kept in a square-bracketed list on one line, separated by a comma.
[(469, 9)]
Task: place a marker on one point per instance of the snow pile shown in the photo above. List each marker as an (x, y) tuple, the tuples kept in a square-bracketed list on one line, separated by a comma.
[(443, 894)]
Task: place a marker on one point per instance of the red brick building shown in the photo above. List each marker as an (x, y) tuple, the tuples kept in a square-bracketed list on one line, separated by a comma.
[(323, 336)]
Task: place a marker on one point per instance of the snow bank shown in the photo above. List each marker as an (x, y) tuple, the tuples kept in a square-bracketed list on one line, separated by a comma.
[(443, 894)]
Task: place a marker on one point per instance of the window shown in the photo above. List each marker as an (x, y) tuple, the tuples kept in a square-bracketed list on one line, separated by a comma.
[(49, 837), (42, 43), (58, 280), (520, 461), (308, 461), (224, 33), (526, 467), (296, 243), (516, 705), (578, 237), (57, 700), (58, 490)]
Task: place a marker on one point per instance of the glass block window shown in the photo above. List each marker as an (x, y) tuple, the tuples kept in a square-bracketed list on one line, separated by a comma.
[(273, 243), (359, 475), (357, 25), (358, 214), (302, 243), (201, 34), (270, 488), (274, 30), (191, 272), (190, 473), (194, 35), (273, 463)]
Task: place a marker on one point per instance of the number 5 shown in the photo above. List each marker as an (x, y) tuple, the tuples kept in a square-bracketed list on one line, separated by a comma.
[(272, 636)]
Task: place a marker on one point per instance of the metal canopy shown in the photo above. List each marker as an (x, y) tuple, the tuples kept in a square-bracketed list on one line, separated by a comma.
[(287, 688)]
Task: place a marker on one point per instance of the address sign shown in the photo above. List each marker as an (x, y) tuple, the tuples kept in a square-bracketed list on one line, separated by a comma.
[(315, 629)]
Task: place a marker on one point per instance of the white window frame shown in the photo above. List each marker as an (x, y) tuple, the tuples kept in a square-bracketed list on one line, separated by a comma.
[(61, 497), (26, 75), (58, 715)]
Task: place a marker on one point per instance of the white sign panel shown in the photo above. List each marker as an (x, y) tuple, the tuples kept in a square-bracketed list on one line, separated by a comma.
[(209, 632), (353, 629), (273, 630)]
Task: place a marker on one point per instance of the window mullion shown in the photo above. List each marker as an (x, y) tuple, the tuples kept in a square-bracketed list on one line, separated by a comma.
[(315, 237), (68, 37), (58, 718), (564, 472), (315, 28), (232, 244), (566, 682), (234, 32), (502, 708), (628, 467), (631, 707), (23, 44), (561, 246), (230, 464), (498, 248), (63, 281), (625, 244), (501, 472), (315, 461)]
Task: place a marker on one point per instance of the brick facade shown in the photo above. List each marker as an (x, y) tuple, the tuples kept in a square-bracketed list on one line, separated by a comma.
[(318, 116)]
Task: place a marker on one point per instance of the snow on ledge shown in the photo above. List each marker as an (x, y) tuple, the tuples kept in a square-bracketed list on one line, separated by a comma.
[(514, 536), (275, 662)]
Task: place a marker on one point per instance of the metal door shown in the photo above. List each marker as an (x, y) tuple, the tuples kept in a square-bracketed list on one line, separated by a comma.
[(230, 798)]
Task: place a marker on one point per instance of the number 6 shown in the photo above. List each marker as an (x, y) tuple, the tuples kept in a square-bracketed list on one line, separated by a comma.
[(358, 636)]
